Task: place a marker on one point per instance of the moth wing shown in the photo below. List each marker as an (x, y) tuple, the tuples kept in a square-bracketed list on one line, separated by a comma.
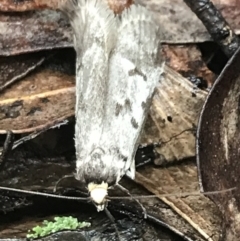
[(94, 27), (134, 71)]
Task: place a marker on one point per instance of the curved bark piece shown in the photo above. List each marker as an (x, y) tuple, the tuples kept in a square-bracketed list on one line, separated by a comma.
[(218, 141)]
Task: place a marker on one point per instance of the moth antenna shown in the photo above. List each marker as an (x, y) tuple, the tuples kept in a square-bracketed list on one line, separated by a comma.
[(42, 194), (111, 218), (57, 183), (184, 194), (132, 197)]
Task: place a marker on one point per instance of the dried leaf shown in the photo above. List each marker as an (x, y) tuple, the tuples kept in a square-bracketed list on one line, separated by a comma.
[(33, 31), (48, 96), (199, 211), (39, 100), (187, 60), (173, 117), (17, 67), (182, 26), (26, 5), (48, 29)]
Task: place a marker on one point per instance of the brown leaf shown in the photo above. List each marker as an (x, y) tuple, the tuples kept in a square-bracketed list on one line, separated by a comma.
[(26, 5), (173, 117), (218, 146), (39, 100), (17, 67), (187, 60), (198, 211), (49, 29), (180, 25), (33, 31), (48, 96)]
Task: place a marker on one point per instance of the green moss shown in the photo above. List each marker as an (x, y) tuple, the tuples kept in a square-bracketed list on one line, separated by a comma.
[(59, 223)]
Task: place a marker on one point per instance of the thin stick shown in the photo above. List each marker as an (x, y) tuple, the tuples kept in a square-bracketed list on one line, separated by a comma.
[(57, 183), (216, 25)]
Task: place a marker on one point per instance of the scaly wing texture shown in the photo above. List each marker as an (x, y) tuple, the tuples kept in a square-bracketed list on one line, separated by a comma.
[(94, 27), (134, 71), (117, 71)]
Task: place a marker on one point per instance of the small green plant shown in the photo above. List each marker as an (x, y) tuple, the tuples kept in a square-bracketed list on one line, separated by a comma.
[(59, 223)]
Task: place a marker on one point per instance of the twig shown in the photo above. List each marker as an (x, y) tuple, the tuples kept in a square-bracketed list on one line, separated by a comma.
[(216, 25)]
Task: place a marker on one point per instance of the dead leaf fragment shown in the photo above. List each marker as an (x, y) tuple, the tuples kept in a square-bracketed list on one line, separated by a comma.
[(48, 96), (33, 31), (17, 67), (26, 5), (173, 117), (48, 29), (198, 211), (187, 60), (38, 100)]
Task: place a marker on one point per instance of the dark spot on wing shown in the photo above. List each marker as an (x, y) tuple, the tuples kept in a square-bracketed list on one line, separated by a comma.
[(117, 152), (127, 106), (134, 123), (118, 109), (147, 103), (136, 71), (169, 118), (144, 105), (124, 158), (194, 94)]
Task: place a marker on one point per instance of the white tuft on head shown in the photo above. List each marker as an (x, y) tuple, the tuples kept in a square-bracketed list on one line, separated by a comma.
[(98, 194)]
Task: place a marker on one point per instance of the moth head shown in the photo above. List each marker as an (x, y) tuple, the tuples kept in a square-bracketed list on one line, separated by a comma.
[(98, 195)]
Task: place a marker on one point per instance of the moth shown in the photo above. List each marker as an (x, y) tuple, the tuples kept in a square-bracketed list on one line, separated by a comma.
[(118, 67)]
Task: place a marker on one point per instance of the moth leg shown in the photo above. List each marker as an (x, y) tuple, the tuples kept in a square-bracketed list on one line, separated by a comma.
[(7, 148), (123, 189), (64, 177), (111, 218)]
